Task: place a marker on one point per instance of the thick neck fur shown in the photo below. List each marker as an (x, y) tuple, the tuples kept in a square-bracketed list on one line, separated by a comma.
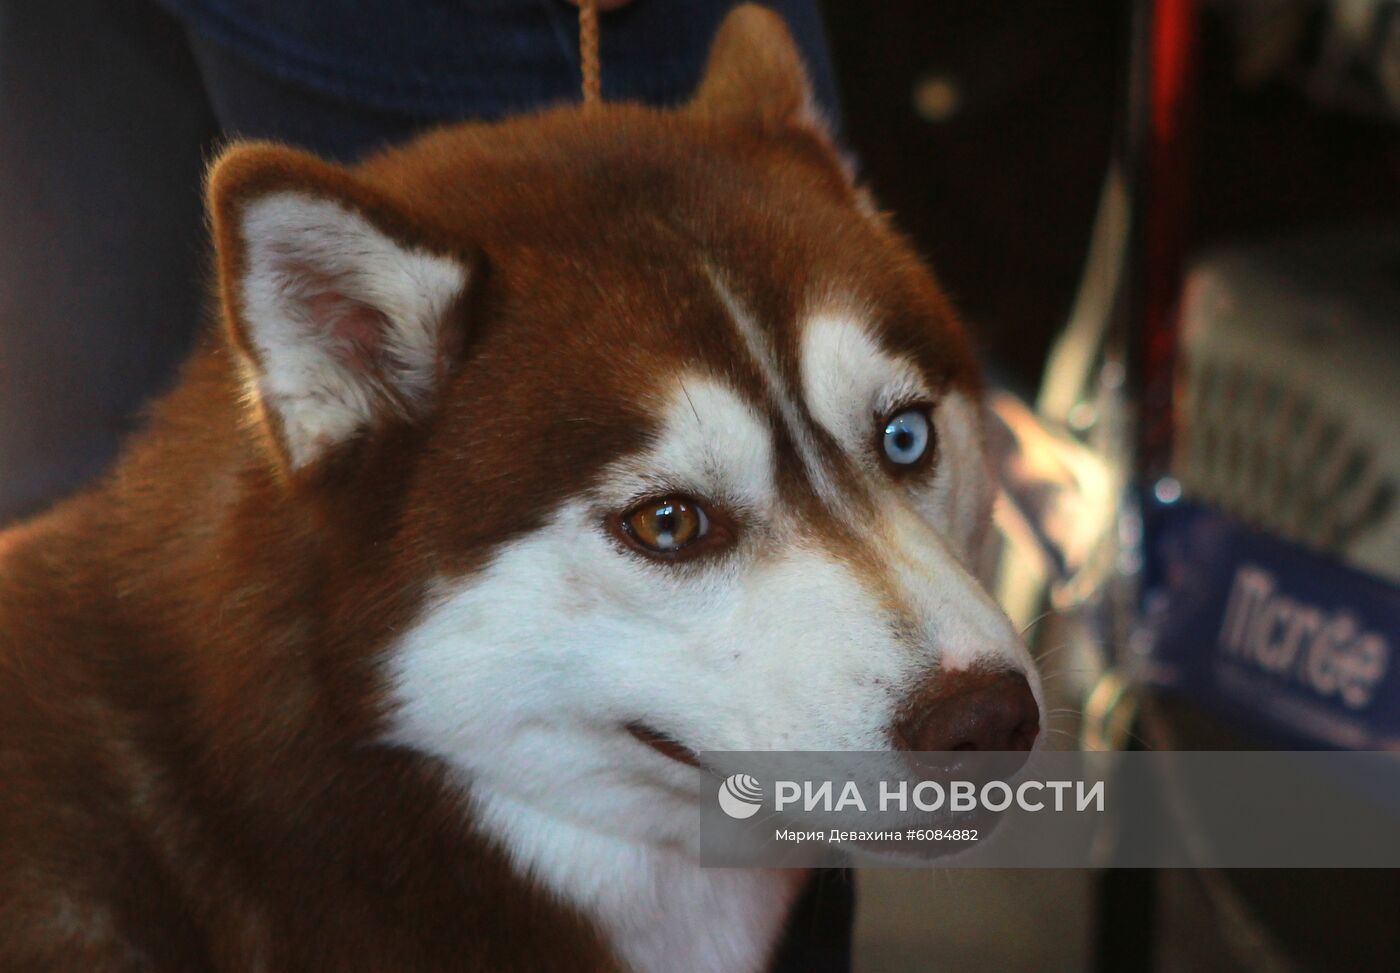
[(184, 731)]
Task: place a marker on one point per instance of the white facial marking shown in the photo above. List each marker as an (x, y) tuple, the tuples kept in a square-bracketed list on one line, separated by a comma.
[(851, 383), (317, 275), (761, 352), (524, 676), (959, 499), (712, 445), (930, 523)]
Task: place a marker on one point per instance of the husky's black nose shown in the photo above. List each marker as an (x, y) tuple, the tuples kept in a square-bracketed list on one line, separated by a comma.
[(970, 710)]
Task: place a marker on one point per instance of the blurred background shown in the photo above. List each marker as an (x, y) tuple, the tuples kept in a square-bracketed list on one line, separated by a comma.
[(1174, 228)]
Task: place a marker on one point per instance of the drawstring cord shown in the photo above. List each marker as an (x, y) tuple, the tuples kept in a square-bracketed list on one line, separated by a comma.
[(589, 64)]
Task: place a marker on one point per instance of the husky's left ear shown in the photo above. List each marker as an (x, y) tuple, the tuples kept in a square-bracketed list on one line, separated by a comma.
[(342, 319), (755, 74)]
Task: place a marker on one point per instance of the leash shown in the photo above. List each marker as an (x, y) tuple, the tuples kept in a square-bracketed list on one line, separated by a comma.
[(589, 64)]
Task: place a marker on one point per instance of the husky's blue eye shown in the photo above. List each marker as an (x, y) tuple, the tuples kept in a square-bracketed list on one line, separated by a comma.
[(907, 437)]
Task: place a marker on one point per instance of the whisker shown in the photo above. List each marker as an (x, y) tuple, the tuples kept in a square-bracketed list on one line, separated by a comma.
[(1034, 621)]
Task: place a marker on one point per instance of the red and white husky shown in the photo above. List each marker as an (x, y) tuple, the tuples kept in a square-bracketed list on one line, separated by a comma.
[(526, 461)]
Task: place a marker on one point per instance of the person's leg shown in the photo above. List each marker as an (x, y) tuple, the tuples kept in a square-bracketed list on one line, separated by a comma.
[(389, 70), (820, 930), (251, 103), (105, 133)]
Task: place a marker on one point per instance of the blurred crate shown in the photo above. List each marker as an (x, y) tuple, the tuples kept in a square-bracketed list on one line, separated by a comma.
[(1289, 398)]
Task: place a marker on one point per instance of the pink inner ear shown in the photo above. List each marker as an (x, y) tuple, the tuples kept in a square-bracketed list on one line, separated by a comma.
[(355, 329), (351, 330)]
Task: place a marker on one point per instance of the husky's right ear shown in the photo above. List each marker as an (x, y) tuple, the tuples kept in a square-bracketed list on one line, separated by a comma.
[(755, 74), (341, 311)]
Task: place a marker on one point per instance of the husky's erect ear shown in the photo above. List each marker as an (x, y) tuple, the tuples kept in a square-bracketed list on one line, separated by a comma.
[(755, 72), (341, 316)]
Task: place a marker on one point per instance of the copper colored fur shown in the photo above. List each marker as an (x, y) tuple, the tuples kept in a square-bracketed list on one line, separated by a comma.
[(189, 651)]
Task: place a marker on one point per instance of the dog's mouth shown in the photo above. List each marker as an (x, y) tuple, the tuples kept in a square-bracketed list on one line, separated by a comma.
[(663, 744)]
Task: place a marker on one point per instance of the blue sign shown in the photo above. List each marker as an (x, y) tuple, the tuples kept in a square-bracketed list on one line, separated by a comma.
[(1269, 633)]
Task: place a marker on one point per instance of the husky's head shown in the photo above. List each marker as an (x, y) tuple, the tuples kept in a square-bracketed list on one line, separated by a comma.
[(673, 443)]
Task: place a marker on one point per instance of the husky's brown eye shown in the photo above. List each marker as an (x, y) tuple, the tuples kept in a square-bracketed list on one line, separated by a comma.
[(665, 526)]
